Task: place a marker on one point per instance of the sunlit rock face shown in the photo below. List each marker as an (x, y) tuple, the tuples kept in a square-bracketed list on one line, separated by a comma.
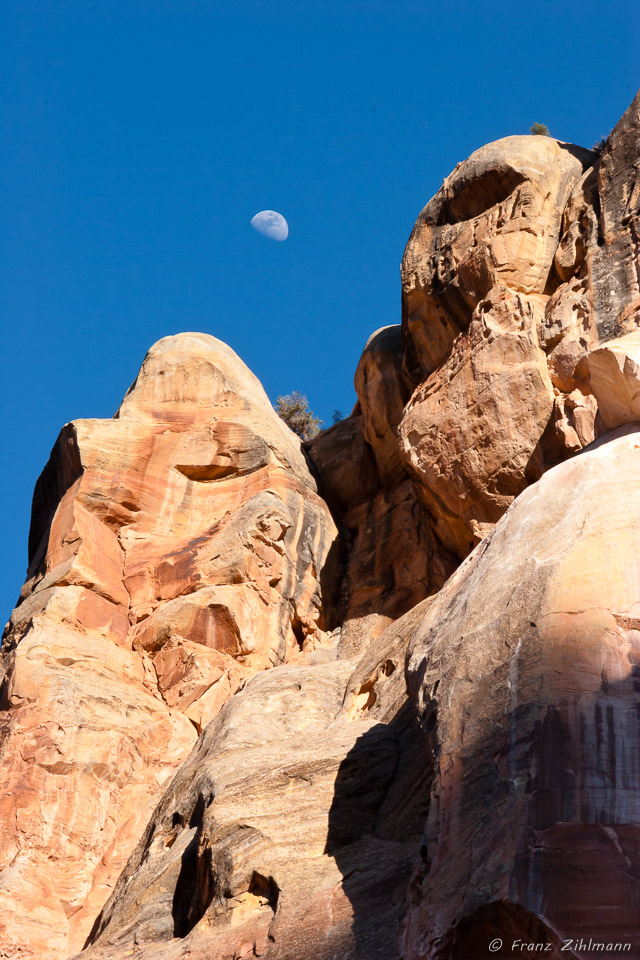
[(614, 375), (524, 672), (329, 811), (471, 432), (496, 221), (524, 262), (486, 417), (255, 700), (175, 550), (292, 830)]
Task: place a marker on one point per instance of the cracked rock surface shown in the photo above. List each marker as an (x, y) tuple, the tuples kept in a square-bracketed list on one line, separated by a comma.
[(373, 697)]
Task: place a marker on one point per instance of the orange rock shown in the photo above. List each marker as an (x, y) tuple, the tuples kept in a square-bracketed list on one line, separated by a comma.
[(470, 761), (477, 275), (394, 562), (175, 550), (344, 463), (470, 434), (495, 221)]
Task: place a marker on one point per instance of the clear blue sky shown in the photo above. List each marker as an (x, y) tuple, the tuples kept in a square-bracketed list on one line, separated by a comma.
[(141, 137)]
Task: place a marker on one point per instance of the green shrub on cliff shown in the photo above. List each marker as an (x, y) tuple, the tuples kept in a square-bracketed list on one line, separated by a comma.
[(539, 129), (293, 408)]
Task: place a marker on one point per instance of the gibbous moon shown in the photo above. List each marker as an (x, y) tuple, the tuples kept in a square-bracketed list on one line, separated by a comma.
[(271, 224)]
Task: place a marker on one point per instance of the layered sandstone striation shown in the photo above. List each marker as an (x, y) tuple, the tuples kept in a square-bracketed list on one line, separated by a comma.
[(375, 698), (175, 550), (262, 845), (524, 671)]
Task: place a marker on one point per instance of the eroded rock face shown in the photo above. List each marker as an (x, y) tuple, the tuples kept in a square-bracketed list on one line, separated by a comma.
[(477, 274), (524, 671), (382, 394), (597, 257), (310, 755), (614, 376), (496, 221), (536, 231), (394, 562), (525, 774), (175, 551), (345, 464), (292, 829), (613, 266), (389, 557), (471, 432)]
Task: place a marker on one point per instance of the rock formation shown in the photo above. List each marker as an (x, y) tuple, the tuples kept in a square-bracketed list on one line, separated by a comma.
[(614, 376), (371, 698), (524, 670), (478, 274), (174, 551)]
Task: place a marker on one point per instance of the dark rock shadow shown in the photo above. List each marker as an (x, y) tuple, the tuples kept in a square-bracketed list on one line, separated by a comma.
[(562, 780), (506, 922), (60, 473), (585, 156), (376, 822)]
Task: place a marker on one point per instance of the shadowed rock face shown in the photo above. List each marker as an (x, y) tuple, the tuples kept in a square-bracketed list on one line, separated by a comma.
[(392, 556), (517, 752), (524, 671), (297, 818), (251, 707), (613, 266), (382, 394)]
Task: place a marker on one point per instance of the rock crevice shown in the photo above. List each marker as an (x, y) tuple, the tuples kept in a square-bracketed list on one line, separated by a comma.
[(371, 698)]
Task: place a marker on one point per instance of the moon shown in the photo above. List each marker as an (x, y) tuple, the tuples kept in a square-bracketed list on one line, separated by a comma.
[(271, 224)]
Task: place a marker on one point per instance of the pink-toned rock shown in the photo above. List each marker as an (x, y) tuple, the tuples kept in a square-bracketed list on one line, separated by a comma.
[(526, 775), (389, 557), (574, 424), (345, 464), (174, 551), (181, 549), (291, 831), (567, 333), (478, 273), (524, 669)]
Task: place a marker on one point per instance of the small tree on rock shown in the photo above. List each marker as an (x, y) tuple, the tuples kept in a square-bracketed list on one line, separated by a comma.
[(293, 408), (539, 129)]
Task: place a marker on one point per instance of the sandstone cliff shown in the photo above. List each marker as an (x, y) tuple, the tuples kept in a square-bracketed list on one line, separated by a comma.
[(174, 551), (373, 698)]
